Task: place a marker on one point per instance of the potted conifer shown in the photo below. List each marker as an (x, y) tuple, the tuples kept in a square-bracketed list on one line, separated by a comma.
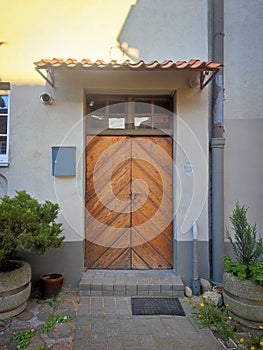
[(25, 224), (243, 278)]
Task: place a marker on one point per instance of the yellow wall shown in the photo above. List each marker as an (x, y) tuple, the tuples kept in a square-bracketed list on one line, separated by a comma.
[(34, 29)]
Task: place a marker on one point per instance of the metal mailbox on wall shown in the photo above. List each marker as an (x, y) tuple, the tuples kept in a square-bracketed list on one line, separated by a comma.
[(63, 161)]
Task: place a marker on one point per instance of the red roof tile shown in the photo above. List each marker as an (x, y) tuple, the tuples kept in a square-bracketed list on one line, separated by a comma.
[(86, 63)]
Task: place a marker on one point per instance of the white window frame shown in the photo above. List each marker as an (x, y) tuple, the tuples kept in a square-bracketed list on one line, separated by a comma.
[(4, 158)]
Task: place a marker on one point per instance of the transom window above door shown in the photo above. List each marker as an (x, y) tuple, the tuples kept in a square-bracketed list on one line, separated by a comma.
[(129, 114)]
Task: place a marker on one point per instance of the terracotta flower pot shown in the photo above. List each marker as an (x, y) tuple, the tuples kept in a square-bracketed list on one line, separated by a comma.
[(15, 288), (51, 284)]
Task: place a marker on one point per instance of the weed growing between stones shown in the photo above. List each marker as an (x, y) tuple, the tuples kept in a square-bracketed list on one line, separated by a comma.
[(24, 338), (226, 329), (53, 320)]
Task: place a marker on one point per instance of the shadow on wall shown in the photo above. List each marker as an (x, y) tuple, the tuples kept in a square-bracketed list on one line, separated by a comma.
[(3, 186), (165, 29)]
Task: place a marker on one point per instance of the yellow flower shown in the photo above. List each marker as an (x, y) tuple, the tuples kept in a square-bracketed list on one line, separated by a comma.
[(230, 317), (260, 327), (227, 305), (204, 296), (261, 343), (202, 304), (241, 340), (252, 348)]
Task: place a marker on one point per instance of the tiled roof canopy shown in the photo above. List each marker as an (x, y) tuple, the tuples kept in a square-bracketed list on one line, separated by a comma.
[(204, 67)]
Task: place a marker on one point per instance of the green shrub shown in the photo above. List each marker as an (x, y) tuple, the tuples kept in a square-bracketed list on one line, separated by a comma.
[(26, 224), (246, 247)]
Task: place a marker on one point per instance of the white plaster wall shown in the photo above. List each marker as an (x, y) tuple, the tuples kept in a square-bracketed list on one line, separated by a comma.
[(175, 30), (162, 29), (243, 59), (243, 108), (35, 128), (192, 163)]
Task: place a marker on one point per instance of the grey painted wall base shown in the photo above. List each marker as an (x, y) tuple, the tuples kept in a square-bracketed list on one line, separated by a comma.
[(183, 251), (68, 260)]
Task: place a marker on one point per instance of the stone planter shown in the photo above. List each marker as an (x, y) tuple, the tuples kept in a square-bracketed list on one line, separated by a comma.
[(15, 288), (245, 300)]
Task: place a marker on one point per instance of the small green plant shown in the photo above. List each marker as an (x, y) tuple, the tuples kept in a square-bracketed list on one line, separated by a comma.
[(257, 273), (252, 340), (24, 338), (50, 324), (26, 224), (42, 347), (217, 319), (52, 301), (235, 268), (246, 247)]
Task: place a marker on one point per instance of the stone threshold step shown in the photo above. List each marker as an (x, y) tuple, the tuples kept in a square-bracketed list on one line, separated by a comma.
[(131, 283)]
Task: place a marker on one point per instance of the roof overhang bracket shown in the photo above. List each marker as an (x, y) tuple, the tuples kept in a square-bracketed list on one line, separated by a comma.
[(49, 78), (203, 75)]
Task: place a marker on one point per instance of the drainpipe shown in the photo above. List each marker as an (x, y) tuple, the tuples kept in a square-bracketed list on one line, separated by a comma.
[(196, 281), (217, 144)]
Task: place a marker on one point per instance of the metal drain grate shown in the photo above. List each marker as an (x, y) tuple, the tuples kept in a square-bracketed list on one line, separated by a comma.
[(157, 306)]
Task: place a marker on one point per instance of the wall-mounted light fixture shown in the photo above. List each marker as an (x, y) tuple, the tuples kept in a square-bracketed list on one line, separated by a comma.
[(46, 99)]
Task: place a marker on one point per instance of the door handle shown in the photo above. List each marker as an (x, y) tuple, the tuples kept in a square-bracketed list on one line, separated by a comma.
[(135, 195)]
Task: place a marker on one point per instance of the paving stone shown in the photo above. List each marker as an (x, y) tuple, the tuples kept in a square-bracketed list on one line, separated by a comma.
[(85, 293), (96, 292), (154, 287), (18, 325), (13, 345), (147, 341), (35, 342), (25, 316), (60, 346), (84, 300), (44, 312), (83, 311), (108, 290), (62, 330), (114, 343), (81, 344), (5, 338), (131, 290), (113, 332)]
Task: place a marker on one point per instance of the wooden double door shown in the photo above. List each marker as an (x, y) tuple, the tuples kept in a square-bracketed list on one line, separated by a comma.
[(129, 202)]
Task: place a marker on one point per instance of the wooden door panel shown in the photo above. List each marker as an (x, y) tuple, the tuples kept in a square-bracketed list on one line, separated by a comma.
[(108, 218), (149, 256), (151, 227), (129, 202), (101, 257)]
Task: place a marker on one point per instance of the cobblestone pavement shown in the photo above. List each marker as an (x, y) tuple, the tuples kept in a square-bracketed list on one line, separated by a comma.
[(108, 323), (104, 323), (34, 317)]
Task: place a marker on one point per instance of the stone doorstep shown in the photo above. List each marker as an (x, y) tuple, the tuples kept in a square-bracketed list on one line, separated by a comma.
[(123, 283)]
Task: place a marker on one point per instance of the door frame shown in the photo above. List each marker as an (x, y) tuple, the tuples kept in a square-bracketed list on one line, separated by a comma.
[(135, 133)]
